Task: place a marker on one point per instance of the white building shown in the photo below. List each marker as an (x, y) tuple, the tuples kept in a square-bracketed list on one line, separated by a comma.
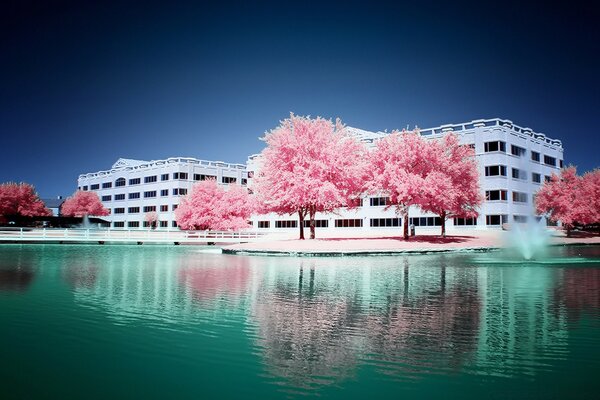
[(513, 163), (131, 188)]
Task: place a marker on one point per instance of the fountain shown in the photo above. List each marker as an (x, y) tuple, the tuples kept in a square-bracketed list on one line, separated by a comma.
[(529, 240), (85, 222)]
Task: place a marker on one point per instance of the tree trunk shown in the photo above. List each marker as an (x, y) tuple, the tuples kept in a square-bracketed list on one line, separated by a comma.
[(443, 221), (405, 217), (301, 218), (568, 228), (312, 221)]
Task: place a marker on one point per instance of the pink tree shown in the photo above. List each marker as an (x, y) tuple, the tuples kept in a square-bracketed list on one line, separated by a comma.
[(309, 166), (20, 199), (451, 186), (398, 166), (151, 218), (561, 199), (591, 194), (210, 207), (82, 204)]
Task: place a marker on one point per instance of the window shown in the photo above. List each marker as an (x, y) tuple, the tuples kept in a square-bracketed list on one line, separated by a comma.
[(465, 221), (560, 163), (319, 223), (174, 207), (494, 146), (286, 224), (425, 221), (95, 186), (135, 181), (85, 188), (535, 156), (106, 185), (120, 210), (495, 195), (107, 198), (180, 175), (264, 224), (164, 208), (228, 179), (385, 222), (120, 196), (520, 219), (133, 224), (495, 170), (151, 193), (149, 208), (163, 224), (150, 179), (244, 181), (179, 192), (379, 201), (174, 224), (519, 174), (536, 178), (164, 177), (135, 195), (348, 223), (120, 182), (202, 177), (133, 210), (517, 151), (549, 160), (119, 224), (495, 219), (518, 197), (547, 178), (164, 192)]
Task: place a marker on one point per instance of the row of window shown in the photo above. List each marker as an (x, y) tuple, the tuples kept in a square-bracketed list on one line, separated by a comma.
[(515, 150), (501, 195), (147, 195), (145, 224), (500, 170), (134, 210), (164, 177)]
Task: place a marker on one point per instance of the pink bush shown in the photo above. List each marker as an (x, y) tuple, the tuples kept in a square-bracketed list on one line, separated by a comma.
[(211, 207), (82, 204)]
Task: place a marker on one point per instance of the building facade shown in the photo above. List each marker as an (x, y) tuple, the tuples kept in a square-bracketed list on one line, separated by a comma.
[(513, 163), (132, 188)]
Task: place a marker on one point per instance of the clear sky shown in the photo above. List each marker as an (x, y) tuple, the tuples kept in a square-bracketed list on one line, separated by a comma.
[(84, 83)]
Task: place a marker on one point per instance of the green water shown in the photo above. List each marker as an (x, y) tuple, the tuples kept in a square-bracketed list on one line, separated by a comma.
[(174, 322)]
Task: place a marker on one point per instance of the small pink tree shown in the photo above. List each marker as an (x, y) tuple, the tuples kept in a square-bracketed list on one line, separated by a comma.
[(561, 199), (151, 218), (591, 194), (309, 166), (451, 186), (82, 204), (20, 199), (211, 207), (398, 166)]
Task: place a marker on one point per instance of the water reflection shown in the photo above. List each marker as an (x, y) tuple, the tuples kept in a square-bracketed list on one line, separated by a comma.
[(316, 322)]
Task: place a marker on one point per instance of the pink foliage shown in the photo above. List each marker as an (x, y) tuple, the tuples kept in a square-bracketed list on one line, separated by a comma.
[(21, 199), (309, 166), (562, 199), (398, 167), (591, 193), (451, 186), (82, 204), (211, 207), (152, 218)]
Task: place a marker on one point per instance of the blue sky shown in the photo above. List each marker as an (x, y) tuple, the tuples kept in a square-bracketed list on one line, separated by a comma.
[(85, 83)]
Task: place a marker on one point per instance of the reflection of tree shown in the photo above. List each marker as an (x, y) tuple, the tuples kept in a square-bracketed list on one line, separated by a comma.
[(580, 291), (425, 329), (81, 273), (17, 279), (305, 333), (212, 278)]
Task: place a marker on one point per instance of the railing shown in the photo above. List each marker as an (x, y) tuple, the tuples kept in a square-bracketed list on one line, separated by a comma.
[(122, 235)]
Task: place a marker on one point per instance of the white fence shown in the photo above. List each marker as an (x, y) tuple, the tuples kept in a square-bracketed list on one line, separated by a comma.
[(125, 236)]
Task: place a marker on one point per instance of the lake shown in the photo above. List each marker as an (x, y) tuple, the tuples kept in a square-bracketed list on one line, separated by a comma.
[(79, 321)]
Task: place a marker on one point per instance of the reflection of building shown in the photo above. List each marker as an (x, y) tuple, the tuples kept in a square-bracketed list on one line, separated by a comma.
[(513, 163), (520, 323)]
